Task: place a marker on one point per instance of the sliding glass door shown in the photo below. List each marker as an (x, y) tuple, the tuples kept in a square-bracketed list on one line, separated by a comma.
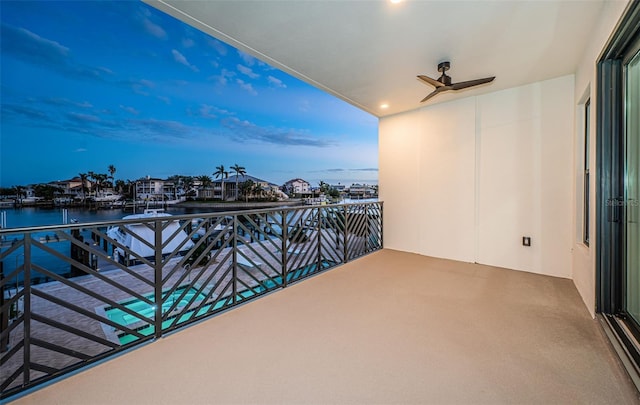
[(632, 187), (618, 190)]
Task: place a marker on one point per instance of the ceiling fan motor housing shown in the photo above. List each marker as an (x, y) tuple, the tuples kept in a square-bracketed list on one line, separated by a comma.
[(443, 67)]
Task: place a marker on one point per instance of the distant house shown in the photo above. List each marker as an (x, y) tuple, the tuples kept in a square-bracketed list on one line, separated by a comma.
[(229, 188), (297, 186), (361, 191), (72, 188), (151, 188)]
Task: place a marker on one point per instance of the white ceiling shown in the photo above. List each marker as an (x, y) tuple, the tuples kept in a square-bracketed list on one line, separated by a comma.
[(369, 52)]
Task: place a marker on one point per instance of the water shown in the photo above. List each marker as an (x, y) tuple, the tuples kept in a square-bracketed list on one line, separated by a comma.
[(35, 216), (32, 216)]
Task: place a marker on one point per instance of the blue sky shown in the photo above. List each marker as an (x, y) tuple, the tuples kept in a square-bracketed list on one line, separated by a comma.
[(86, 84)]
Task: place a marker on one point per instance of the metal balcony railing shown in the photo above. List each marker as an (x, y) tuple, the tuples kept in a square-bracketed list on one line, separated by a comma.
[(76, 294)]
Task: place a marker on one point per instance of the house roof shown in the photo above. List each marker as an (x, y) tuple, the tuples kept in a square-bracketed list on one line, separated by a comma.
[(297, 180), (370, 52), (241, 179)]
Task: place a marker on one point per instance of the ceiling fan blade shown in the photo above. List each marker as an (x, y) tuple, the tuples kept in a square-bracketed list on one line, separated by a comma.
[(432, 94), (471, 83), (430, 81)]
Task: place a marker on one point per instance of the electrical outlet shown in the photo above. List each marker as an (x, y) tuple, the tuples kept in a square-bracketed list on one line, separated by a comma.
[(526, 241)]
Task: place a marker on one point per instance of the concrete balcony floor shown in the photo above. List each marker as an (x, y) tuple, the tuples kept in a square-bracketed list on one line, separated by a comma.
[(391, 327)]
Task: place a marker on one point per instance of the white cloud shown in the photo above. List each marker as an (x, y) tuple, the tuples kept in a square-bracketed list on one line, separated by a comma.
[(243, 130), (130, 110), (248, 59), (80, 150), (224, 76), (83, 117), (206, 111), (276, 82), (212, 112), (181, 59), (218, 46), (247, 71), (151, 27), (187, 42), (247, 86)]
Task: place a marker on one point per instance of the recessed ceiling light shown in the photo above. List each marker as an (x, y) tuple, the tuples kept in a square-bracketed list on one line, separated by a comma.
[(383, 106), (395, 1)]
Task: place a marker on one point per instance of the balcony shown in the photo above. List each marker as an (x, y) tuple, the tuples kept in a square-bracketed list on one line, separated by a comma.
[(389, 327), (77, 294)]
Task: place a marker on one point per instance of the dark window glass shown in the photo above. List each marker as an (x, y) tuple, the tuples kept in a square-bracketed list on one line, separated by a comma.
[(587, 131)]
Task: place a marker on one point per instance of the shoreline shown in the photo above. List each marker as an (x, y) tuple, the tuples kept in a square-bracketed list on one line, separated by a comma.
[(237, 204)]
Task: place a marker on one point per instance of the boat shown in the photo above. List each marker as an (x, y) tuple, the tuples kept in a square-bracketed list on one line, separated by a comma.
[(134, 236), (106, 197)]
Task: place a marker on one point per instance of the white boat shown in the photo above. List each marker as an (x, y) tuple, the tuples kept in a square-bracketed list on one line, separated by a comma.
[(133, 237), (106, 197)]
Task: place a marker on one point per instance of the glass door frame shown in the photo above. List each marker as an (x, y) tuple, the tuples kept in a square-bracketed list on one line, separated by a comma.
[(629, 203), (610, 190)]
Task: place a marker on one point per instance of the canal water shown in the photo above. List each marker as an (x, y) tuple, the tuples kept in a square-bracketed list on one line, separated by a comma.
[(34, 217)]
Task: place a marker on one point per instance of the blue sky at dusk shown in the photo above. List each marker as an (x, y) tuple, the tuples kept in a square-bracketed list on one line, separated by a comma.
[(87, 84)]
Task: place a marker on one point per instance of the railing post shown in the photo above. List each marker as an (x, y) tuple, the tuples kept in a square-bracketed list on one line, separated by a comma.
[(285, 238), (234, 261), (381, 226), (319, 230), (26, 286), (4, 315), (158, 279), (346, 234)]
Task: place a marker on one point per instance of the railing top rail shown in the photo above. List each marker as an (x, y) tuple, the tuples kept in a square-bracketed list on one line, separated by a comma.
[(83, 225)]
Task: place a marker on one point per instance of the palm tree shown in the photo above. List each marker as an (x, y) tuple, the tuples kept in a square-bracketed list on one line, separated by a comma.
[(101, 180), (247, 189), (188, 186), (20, 191), (257, 189), (91, 176), (83, 185), (324, 187), (222, 174), (205, 181), (112, 170), (130, 185), (240, 171), (120, 185)]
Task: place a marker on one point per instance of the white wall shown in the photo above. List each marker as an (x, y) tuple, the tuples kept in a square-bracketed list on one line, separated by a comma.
[(447, 151), (583, 258), (401, 209), (466, 180)]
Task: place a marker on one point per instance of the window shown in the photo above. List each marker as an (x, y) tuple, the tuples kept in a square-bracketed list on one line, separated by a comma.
[(587, 132)]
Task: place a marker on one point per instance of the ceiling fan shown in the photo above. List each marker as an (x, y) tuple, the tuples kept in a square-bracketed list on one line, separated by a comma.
[(444, 82)]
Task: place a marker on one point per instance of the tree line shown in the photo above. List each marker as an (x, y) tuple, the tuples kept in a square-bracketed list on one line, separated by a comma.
[(94, 182)]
